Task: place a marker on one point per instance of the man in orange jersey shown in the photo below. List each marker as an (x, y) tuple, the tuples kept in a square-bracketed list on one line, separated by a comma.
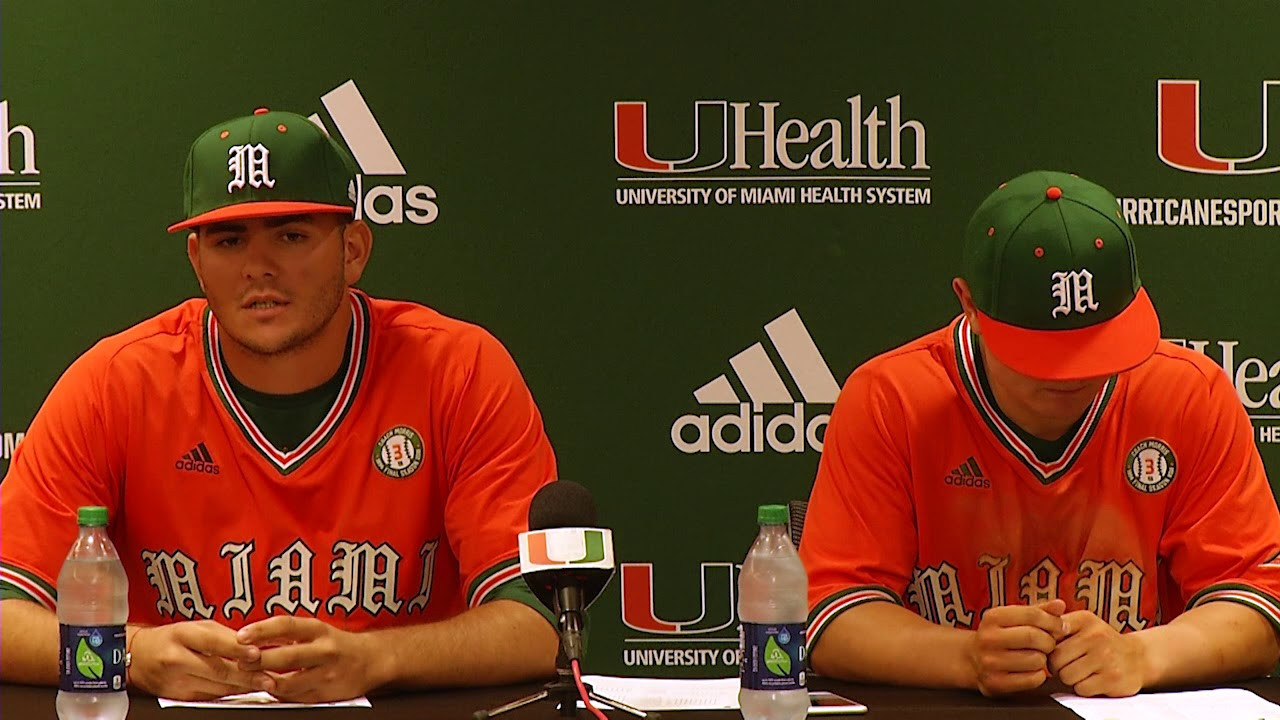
[(1043, 487), (314, 493)]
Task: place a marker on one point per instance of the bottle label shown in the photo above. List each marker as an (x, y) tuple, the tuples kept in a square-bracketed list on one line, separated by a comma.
[(772, 656), (91, 658)]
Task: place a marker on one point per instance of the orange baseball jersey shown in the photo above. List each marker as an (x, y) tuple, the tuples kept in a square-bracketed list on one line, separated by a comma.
[(926, 497), (402, 506)]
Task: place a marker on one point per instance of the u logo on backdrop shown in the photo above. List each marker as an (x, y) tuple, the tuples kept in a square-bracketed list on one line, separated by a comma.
[(1178, 134)]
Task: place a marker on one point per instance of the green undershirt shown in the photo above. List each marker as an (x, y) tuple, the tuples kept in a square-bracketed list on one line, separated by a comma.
[(1045, 450), (287, 420)]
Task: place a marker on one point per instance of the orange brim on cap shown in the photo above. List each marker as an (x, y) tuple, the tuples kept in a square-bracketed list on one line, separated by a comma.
[(1119, 344), (272, 208)]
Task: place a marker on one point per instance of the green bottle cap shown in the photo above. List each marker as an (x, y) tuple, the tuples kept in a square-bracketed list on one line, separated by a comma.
[(772, 515), (93, 516)]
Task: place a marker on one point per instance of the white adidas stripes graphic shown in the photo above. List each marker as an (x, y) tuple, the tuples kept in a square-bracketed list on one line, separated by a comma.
[(756, 428), (761, 379), (368, 143), (364, 136)]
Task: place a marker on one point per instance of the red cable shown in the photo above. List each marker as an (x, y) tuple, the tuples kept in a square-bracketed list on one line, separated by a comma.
[(582, 690)]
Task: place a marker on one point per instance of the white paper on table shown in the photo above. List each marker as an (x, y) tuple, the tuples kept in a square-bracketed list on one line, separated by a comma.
[(1222, 704), (259, 701), (667, 694)]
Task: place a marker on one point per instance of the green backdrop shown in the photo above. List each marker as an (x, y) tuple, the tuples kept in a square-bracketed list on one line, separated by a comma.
[(537, 146)]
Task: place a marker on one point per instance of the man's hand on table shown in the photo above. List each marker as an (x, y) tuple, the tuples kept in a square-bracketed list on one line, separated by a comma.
[(1095, 659), (1010, 650), (195, 660), (309, 661)]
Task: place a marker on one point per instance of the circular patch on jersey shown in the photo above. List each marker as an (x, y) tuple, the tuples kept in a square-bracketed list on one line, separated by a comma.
[(398, 453), (1150, 466)]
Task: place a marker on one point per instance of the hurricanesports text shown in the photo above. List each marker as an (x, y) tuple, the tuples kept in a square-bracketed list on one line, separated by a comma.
[(1202, 212)]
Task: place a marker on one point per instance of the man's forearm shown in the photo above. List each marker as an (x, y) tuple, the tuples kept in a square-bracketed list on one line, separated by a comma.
[(886, 643), (1215, 642), (498, 642), (28, 643)]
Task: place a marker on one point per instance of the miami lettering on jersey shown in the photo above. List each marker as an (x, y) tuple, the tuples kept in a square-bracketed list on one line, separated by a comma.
[(367, 576), (928, 498), (1107, 589)]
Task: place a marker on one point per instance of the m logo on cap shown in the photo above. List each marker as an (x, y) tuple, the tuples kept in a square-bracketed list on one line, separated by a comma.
[(1074, 292), (248, 165)]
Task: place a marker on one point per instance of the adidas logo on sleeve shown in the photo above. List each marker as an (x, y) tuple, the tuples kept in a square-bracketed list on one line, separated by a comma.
[(198, 460)]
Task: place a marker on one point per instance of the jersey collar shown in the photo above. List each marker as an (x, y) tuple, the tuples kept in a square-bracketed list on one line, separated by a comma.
[(287, 462), (1045, 472)]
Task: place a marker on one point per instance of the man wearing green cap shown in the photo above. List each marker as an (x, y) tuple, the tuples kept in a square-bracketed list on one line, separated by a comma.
[(314, 492), (1043, 487)]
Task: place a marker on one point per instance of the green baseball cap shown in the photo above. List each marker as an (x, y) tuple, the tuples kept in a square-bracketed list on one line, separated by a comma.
[(263, 165), (1051, 266)]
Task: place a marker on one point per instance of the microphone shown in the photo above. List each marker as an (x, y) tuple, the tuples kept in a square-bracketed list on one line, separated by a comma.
[(564, 558)]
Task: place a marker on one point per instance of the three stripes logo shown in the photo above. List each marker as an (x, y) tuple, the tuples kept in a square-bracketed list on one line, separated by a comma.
[(753, 428), (199, 460), (968, 474), (381, 204)]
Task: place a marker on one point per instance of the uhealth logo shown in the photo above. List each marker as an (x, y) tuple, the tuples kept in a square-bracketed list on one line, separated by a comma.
[(1179, 133), (20, 188), (381, 204), (851, 141), (745, 429)]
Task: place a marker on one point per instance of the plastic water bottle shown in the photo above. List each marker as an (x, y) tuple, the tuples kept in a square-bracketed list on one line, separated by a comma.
[(773, 606), (93, 607)]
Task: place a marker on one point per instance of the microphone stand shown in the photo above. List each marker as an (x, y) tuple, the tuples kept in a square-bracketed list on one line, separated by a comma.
[(563, 691)]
